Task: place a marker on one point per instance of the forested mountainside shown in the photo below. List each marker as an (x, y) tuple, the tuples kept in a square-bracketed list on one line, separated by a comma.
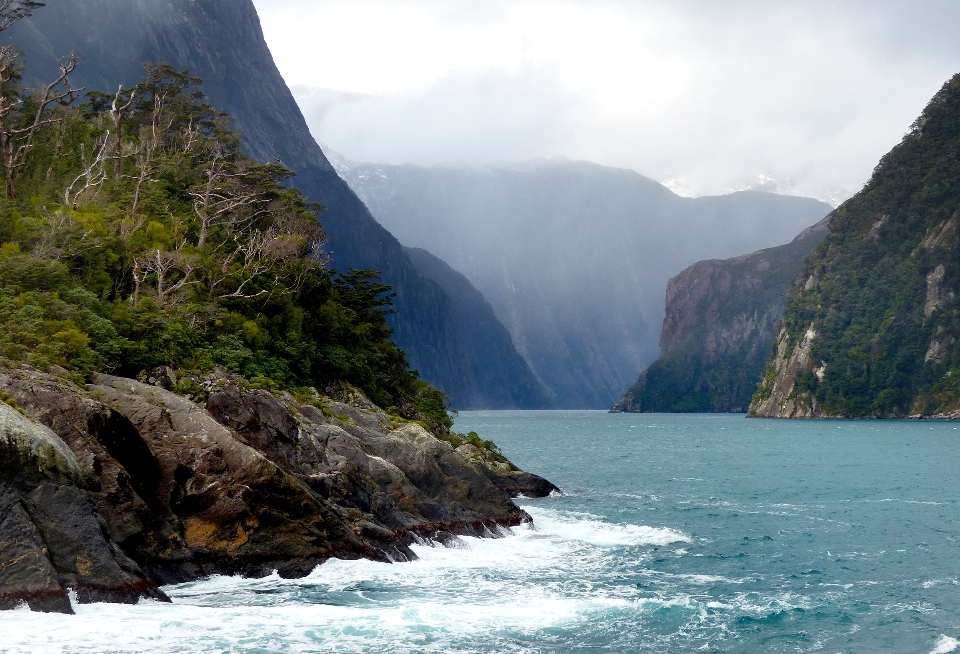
[(185, 388), (722, 318), (872, 325), (574, 257), (135, 234), (221, 42)]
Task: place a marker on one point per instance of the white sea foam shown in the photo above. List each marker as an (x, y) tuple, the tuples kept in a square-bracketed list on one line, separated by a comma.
[(534, 581), (595, 531), (540, 584), (945, 644)]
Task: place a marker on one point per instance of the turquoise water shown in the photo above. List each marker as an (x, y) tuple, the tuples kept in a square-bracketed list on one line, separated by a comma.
[(676, 533)]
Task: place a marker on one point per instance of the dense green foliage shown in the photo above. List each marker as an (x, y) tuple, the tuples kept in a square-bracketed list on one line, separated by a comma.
[(139, 236), (721, 320), (684, 384), (881, 291)]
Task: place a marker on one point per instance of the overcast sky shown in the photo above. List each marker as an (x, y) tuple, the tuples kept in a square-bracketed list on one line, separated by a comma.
[(707, 97)]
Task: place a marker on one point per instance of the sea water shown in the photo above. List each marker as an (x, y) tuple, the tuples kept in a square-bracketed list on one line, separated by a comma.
[(674, 533)]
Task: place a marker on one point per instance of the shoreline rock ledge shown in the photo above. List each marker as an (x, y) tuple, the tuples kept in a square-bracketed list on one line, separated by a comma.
[(114, 489)]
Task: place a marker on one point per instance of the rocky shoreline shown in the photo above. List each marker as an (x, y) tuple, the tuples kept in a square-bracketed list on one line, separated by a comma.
[(118, 487)]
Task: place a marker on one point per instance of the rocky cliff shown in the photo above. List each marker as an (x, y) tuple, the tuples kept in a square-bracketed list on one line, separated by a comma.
[(113, 488), (221, 42), (722, 317), (51, 535), (872, 323), (574, 257)]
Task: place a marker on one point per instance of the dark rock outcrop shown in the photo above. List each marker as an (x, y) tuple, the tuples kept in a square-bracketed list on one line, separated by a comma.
[(221, 42), (52, 536), (114, 488), (395, 478), (223, 506), (722, 318)]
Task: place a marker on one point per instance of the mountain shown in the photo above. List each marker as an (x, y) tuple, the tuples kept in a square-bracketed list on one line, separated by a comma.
[(221, 42), (573, 257), (175, 258), (503, 381), (872, 325), (722, 317)]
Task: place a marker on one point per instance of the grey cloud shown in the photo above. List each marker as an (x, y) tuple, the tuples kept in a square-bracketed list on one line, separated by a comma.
[(489, 117), (800, 97)]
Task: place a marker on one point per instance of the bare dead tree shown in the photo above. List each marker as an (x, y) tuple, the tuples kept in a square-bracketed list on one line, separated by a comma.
[(279, 257), (144, 165), (13, 10), (116, 112), (163, 265), (61, 237), (16, 137), (139, 270), (225, 199), (93, 174), (160, 119), (250, 255)]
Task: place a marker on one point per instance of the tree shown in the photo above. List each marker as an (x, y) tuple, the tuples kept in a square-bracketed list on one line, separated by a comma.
[(21, 117), (13, 10), (188, 254)]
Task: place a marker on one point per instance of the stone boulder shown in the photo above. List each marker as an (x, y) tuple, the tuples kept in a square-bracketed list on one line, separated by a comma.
[(52, 537), (397, 480), (229, 509)]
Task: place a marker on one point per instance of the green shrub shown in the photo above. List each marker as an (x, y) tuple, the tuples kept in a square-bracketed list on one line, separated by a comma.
[(153, 268)]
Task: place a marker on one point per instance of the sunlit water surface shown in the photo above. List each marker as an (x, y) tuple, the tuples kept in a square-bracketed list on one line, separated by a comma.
[(675, 534)]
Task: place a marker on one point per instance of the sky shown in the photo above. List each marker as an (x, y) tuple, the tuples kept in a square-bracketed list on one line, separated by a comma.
[(797, 97)]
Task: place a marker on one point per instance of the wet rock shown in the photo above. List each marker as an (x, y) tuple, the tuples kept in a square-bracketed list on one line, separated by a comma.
[(116, 466), (26, 573), (394, 481), (51, 536), (517, 483), (29, 451), (96, 569), (231, 509), (114, 488)]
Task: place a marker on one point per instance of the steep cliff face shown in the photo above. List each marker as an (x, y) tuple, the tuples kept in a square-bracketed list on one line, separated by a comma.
[(503, 380), (221, 42), (574, 257), (872, 323), (114, 488), (722, 318)]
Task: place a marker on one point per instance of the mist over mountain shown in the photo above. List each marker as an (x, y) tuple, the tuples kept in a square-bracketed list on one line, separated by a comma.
[(221, 42), (574, 257), (493, 373)]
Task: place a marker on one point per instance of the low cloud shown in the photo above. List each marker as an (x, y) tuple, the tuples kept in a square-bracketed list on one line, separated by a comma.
[(800, 98), (483, 118)]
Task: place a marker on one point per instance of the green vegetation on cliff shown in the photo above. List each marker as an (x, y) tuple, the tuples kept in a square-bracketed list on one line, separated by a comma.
[(721, 319), (872, 325), (135, 234)]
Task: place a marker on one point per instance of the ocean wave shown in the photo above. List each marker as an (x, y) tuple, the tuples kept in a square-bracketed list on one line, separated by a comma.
[(592, 529), (572, 581), (945, 644)]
